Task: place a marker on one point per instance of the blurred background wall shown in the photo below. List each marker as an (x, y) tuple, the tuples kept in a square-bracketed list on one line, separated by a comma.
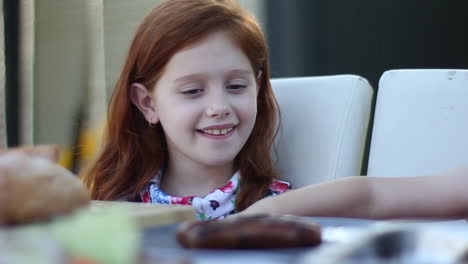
[(3, 135), (366, 37), (63, 57)]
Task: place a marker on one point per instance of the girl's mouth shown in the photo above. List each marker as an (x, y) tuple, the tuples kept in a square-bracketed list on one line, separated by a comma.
[(218, 133)]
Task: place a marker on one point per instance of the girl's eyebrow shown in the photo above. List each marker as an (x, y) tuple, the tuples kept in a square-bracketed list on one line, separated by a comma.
[(189, 77), (240, 72), (192, 76)]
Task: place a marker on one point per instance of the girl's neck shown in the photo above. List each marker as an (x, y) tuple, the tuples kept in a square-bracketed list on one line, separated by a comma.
[(190, 179)]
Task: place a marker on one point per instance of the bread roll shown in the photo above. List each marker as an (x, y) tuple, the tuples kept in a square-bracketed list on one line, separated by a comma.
[(250, 232), (50, 152), (34, 188)]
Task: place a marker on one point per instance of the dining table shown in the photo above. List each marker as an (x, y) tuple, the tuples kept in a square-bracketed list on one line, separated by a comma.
[(120, 230), (345, 240)]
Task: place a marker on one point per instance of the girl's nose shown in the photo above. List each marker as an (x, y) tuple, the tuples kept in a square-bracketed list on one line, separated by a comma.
[(218, 110)]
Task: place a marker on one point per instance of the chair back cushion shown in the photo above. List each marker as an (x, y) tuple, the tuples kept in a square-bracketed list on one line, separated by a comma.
[(420, 124), (323, 129)]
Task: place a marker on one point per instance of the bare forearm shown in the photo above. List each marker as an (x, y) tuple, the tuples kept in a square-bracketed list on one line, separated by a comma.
[(342, 198), (437, 196)]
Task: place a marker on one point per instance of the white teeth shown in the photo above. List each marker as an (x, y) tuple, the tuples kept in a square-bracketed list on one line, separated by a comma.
[(217, 132)]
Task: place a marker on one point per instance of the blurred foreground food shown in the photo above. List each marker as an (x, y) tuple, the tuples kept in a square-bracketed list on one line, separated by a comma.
[(35, 189), (48, 152), (83, 237), (44, 217), (250, 232)]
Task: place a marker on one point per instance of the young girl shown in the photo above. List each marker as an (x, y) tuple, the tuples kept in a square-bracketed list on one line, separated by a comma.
[(192, 120), (192, 117)]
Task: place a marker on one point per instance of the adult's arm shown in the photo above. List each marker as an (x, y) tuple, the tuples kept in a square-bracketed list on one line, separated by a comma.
[(444, 195)]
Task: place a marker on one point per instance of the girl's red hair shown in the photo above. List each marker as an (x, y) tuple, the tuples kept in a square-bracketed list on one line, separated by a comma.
[(133, 151)]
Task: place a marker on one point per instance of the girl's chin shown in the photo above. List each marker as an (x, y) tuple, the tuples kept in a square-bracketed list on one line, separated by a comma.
[(216, 162)]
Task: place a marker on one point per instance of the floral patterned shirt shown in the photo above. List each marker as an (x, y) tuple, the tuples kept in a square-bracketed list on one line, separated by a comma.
[(217, 204)]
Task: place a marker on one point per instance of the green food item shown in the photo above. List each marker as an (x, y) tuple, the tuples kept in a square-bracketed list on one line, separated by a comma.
[(32, 245), (107, 237)]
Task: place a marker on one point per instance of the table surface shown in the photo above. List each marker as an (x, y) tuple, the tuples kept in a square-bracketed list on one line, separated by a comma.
[(344, 241), (159, 242), (146, 214)]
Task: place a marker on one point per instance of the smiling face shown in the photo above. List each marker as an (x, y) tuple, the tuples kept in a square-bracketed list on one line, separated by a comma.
[(206, 102)]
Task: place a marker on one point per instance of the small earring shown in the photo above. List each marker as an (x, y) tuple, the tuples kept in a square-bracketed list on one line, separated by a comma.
[(151, 122), (259, 74)]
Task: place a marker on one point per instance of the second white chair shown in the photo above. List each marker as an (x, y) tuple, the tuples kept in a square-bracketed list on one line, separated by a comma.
[(421, 123)]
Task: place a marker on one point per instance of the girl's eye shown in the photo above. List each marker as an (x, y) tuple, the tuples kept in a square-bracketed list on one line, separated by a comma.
[(236, 87), (192, 91)]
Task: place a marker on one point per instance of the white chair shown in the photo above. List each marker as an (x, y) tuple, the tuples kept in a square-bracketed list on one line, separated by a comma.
[(324, 127), (420, 123)]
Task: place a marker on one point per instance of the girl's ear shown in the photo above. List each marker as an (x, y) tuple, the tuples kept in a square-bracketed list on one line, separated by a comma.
[(143, 100)]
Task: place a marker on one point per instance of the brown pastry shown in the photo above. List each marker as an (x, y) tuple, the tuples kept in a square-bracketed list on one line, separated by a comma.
[(250, 232), (50, 152), (33, 188)]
